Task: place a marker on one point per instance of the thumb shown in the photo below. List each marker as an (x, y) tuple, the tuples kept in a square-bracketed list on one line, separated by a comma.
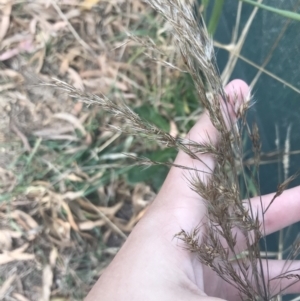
[(204, 131)]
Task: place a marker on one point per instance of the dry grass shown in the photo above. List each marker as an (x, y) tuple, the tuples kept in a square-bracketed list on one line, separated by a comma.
[(65, 206)]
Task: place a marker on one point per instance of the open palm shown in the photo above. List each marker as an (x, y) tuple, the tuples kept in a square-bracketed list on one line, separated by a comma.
[(153, 265)]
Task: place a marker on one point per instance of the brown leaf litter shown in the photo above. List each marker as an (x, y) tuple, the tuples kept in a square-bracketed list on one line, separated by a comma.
[(52, 235)]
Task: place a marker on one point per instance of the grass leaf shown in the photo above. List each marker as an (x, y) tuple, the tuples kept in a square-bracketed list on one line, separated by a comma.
[(281, 12), (215, 17)]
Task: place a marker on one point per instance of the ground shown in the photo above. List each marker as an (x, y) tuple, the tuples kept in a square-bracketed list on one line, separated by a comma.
[(69, 196)]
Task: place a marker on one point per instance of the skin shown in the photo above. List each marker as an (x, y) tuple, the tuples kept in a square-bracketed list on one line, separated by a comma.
[(152, 265)]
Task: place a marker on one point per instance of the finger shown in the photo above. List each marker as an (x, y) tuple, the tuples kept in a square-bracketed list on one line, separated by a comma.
[(280, 277), (204, 131), (175, 196), (283, 277), (272, 277), (284, 211)]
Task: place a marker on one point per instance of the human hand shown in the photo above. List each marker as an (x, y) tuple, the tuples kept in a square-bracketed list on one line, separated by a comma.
[(151, 265)]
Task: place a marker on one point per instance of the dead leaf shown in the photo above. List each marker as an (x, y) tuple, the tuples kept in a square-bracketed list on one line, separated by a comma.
[(23, 137), (111, 211), (88, 205), (19, 297), (73, 195), (60, 229), (105, 82), (61, 137), (140, 192), (32, 26), (14, 75), (128, 226), (71, 119), (74, 178), (67, 59), (106, 235), (91, 73), (53, 256), (88, 139), (76, 79), (24, 219), (47, 282), (48, 132), (70, 216), (7, 86), (141, 214), (7, 180), (64, 66), (58, 26), (111, 251), (88, 4), (6, 286), (6, 238), (89, 225), (16, 255), (24, 46), (35, 192), (6, 11), (173, 129), (37, 60)]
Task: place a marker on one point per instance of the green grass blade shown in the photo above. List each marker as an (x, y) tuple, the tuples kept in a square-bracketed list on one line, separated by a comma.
[(205, 3), (215, 16), (285, 13), (33, 152)]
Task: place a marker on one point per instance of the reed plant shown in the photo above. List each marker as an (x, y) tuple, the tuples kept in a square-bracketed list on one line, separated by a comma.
[(228, 217)]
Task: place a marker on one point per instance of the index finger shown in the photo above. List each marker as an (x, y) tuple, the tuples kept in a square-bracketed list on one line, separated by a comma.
[(176, 197), (283, 212)]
